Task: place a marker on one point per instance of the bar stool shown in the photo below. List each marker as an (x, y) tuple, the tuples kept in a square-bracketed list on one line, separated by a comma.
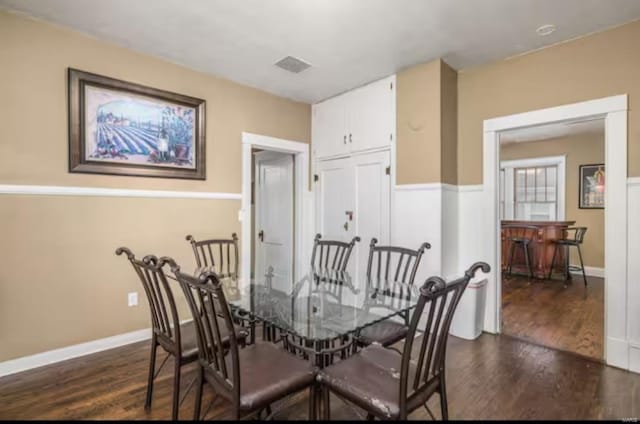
[(520, 235), (567, 242)]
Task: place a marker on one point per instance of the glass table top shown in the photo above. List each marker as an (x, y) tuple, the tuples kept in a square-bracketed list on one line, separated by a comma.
[(322, 304)]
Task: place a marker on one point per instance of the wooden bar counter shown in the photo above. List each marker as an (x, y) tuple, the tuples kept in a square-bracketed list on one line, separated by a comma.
[(540, 248)]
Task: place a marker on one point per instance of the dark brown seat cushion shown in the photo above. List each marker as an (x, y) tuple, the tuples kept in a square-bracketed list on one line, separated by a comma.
[(268, 373), (385, 332), (370, 379)]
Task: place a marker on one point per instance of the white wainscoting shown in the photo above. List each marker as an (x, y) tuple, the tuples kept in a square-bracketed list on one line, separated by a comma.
[(416, 218)]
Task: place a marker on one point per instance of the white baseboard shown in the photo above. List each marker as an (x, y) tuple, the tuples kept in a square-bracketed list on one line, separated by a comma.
[(591, 271), (57, 355), (617, 352)]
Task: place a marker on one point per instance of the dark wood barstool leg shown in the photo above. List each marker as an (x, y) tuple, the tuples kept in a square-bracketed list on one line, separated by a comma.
[(152, 371), (511, 253), (553, 261), (567, 274), (525, 248), (584, 275), (443, 399)]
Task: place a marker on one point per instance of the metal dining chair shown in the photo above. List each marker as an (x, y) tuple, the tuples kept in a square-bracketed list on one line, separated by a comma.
[(389, 385), (390, 264), (521, 237), (220, 254), (331, 255), (252, 378), (178, 340)]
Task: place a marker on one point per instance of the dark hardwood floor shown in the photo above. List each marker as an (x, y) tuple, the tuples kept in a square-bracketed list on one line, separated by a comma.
[(493, 377), (547, 313)]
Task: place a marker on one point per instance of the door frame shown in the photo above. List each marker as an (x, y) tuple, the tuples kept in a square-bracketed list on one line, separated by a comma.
[(257, 199), (302, 240), (614, 111)]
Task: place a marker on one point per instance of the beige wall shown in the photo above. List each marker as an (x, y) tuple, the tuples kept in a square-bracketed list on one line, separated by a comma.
[(596, 66), (418, 124), (60, 282), (579, 150), (426, 131)]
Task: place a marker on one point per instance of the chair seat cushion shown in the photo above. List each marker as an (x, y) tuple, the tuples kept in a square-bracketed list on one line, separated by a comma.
[(190, 344), (370, 379), (385, 332), (268, 373)]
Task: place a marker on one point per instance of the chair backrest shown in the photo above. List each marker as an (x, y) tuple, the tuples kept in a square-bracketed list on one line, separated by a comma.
[(331, 254), (578, 234), (221, 254), (393, 263), (205, 293), (435, 308), (525, 232), (165, 321)]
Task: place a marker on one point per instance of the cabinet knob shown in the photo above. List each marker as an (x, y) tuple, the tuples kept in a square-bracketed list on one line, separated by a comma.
[(344, 139), (350, 140)]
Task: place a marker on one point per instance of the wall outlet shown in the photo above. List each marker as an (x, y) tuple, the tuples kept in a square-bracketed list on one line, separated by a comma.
[(133, 299)]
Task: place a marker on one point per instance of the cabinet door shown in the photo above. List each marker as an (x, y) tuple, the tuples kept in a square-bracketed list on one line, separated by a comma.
[(371, 115), (329, 134), (372, 204)]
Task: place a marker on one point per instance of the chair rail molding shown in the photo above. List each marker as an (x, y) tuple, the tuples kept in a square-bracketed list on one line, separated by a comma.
[(44, 190)]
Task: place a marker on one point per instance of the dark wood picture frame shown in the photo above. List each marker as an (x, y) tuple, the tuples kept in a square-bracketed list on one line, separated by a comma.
[(78, 160), (581, 194)]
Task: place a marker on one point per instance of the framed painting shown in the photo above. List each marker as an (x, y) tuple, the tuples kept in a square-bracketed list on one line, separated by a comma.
[(592, 186), (121, 128)]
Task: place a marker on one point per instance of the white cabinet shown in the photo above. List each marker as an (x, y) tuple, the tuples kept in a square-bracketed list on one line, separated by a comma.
[(359, 120), (353, 199)]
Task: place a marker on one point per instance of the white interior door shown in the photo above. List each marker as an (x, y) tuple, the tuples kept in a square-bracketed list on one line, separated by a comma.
[(335, 199), (372, 204), (274, 203)]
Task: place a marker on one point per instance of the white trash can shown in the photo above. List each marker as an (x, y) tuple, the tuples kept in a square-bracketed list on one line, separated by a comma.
[(468, 320)]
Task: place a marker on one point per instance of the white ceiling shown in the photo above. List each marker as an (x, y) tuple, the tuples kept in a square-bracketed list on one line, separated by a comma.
[(555, 130), (348, 42)]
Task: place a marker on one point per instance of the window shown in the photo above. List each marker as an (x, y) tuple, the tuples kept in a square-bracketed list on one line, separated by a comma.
[(532, 189)]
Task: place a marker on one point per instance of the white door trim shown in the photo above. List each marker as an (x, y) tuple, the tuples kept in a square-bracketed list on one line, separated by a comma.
[(301, 193), (614, 111)]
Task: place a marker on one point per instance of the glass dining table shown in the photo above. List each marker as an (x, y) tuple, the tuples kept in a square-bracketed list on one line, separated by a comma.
[(321, 313)]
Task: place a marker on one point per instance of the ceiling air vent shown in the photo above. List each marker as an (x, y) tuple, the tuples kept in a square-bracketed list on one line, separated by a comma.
[(292, 64)]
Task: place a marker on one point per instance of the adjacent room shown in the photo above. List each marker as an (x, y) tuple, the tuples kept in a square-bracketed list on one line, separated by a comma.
[(319, 210), (552, 181)]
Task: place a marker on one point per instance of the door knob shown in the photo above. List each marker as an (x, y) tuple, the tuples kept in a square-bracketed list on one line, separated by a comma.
[(261, 235), (346, 226)]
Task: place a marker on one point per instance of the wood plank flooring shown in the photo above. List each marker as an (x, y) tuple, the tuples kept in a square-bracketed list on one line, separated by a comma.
[(547, 313), (493, 377)]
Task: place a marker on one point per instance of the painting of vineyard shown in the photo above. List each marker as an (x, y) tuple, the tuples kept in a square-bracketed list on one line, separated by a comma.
[(126, 127)]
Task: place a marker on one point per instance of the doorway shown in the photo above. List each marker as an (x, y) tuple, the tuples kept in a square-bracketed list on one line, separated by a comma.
[(614, 112), (550, 192), (301, 216)]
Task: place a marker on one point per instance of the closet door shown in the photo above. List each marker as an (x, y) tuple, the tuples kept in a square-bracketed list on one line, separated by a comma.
[(372, 205), (329, 132), (334, 195)]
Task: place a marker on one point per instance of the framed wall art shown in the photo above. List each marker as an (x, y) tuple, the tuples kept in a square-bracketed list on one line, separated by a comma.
[(592, 186), (121, 128)]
